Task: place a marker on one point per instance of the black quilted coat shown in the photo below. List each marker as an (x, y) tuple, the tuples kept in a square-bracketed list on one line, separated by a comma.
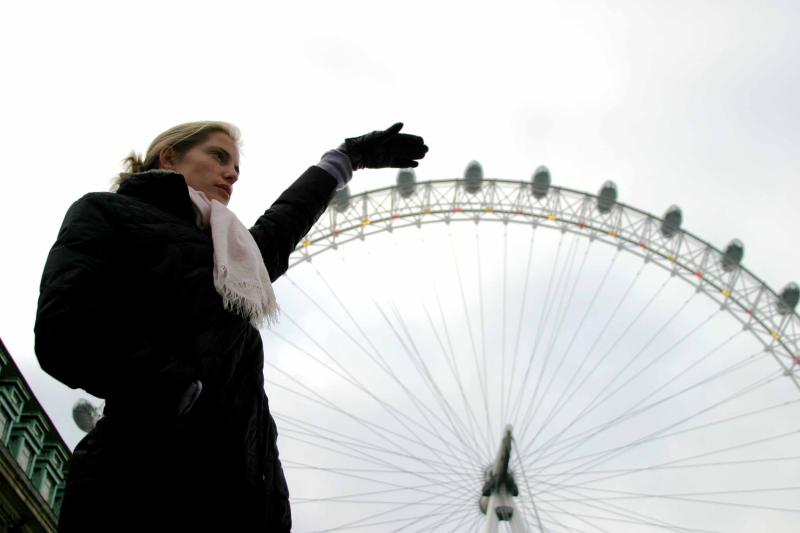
[(128, 312)]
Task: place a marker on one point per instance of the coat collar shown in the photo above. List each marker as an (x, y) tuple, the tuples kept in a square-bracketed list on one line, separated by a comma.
[(163, 189)]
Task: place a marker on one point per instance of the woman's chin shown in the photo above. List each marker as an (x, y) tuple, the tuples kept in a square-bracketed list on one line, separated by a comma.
[(219, 196)]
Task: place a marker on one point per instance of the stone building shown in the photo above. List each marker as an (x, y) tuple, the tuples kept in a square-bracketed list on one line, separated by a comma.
[(33, 457)]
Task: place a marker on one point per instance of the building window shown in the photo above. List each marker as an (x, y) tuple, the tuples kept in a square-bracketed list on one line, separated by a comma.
[(3, 426), (46, 489), (24, 457)]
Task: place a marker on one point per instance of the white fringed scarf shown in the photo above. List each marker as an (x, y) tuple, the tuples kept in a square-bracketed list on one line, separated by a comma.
[(240, 276)]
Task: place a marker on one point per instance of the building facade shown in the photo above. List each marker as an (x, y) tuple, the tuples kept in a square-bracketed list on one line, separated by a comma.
[(33, 457)]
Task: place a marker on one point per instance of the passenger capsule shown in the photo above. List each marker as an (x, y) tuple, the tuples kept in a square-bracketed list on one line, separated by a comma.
[(85, 415), (473, 177), (672, 221), (541, 182), (733, 255), (406, 182), (483, 503), (788, 299), (607, 197), (341, 200)]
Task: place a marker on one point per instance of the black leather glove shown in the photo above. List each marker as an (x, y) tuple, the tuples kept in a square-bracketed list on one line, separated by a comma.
[(382, 149)]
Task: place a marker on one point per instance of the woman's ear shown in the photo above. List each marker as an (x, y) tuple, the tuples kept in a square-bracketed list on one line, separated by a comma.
[(167, 158)]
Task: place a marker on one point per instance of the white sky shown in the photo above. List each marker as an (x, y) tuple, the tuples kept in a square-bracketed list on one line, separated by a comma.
[(692, 103)]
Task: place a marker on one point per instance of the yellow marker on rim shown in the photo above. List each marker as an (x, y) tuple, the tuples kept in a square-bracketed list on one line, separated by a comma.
[(426, 212), (306, 244), (551, 217), (366, 223), (612, 233), (726, 292), (776, 336), (488, 209)]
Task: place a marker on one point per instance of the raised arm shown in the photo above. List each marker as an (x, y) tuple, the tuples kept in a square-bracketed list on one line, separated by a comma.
[(278, 231)]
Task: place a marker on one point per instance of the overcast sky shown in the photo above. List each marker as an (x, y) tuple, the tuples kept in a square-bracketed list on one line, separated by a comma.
[(689, 103)]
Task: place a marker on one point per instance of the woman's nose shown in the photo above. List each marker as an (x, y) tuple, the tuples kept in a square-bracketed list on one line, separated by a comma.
[(231, 176)]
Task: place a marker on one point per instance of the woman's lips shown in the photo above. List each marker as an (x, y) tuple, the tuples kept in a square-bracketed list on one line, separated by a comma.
[(226, 188)]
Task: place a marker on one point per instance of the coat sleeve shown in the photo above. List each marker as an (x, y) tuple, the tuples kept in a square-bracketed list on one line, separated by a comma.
[(90, 331), (290, 218)]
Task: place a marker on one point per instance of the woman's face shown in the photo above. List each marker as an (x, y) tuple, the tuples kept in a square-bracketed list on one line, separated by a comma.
[(211, 166)]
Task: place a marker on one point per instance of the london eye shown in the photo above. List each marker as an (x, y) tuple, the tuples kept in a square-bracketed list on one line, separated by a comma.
[(489, 355)]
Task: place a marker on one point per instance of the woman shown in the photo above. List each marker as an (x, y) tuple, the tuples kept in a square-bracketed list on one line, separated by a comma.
[(151, 298)]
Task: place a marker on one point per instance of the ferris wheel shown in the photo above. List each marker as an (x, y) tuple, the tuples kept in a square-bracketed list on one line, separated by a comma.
[(494, 355)]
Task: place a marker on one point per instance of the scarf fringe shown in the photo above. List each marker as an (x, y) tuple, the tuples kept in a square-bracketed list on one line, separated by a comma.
[(260, 314)]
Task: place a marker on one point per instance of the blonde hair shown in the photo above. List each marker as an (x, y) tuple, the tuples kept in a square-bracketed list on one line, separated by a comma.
[(180, 139)]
